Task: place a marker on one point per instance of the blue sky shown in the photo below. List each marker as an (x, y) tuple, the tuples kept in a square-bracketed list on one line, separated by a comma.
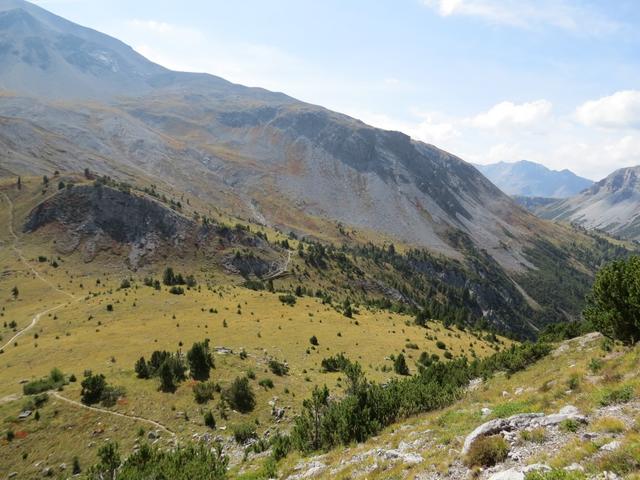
[(553, 81)]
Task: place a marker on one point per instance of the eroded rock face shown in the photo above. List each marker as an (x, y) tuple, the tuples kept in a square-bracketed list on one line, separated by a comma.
[(123, 217), (95, 218)]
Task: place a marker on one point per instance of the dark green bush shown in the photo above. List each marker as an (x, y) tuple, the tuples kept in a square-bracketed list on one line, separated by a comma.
[(620, 395), (209, 420), (613, 307), (400, 365), (266, 383), (336, 363), (200, 360), (367, 407), (288, 299), (203, 391), (240, 395), (278, 368), (54, 381), (181, 463), (244, 432)]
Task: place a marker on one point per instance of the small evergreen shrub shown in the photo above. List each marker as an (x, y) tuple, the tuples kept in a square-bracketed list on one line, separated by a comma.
[(620, 395), (244, 432), (278, 368), (209, 420), (487, 451)]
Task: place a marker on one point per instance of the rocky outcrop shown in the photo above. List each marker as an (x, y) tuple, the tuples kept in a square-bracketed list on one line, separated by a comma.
[(95, 218), (522, 421)]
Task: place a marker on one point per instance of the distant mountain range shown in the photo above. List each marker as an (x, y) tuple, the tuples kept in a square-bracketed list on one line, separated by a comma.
[(530, 179), (611, 205)]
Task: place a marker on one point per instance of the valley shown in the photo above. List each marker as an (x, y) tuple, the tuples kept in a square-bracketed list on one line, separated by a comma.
[(205, 280), (62, 314)]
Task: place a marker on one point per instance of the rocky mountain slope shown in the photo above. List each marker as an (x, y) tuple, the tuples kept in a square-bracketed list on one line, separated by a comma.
[(611, 205), (96, 218), (210, 135), (530, 179), (533, 203), (78, 62)]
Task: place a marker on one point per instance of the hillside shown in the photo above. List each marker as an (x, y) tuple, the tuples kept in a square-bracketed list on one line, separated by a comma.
[(84, 314), (571, 424), (530, 179), (461, 246), (255, 152), (533, 203), (63, 320), (612, 205)]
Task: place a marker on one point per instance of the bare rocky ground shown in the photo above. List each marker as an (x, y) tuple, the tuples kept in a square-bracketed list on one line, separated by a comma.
[(519, 461)]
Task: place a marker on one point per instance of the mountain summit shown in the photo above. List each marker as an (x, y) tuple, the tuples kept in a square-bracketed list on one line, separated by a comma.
[(43, 54), (611, 205), (530, 179)]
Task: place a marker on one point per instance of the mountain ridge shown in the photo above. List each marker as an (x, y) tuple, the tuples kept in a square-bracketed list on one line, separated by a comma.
[(611, 205)]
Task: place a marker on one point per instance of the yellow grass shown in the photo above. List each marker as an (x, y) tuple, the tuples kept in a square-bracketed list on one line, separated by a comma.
[(82, 335)]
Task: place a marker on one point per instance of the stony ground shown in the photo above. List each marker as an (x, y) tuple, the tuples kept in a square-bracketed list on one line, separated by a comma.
[(558, 418)]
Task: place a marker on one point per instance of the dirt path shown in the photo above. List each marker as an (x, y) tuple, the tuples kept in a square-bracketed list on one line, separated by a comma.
[(34, 322), (36, 319), (283, 269), (158, 425), (22, 258), (14, 246)]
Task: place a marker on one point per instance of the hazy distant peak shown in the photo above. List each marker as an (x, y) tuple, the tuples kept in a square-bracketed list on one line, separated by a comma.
[(531, 179)]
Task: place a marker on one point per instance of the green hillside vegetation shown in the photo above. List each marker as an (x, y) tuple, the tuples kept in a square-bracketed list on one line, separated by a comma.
[(375, 335), (122, 343)]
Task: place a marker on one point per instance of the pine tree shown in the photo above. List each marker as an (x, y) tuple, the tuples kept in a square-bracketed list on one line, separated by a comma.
[(400, 365), (200, 360), (167, 378), (168, 278), (209, 420), (142, 369)]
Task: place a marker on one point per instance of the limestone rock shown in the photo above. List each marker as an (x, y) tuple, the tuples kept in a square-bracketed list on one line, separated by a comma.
[(611, 446), (511, 474)]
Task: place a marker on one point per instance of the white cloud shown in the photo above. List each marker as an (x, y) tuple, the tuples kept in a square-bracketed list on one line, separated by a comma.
[(166, 29), (505, 152), (432, 131), (528, 14), (509, 114), (625, 150), (427, 127), (620, 110)]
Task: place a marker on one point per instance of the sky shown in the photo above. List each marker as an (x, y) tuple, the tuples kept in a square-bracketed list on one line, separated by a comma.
[(552, 81)]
